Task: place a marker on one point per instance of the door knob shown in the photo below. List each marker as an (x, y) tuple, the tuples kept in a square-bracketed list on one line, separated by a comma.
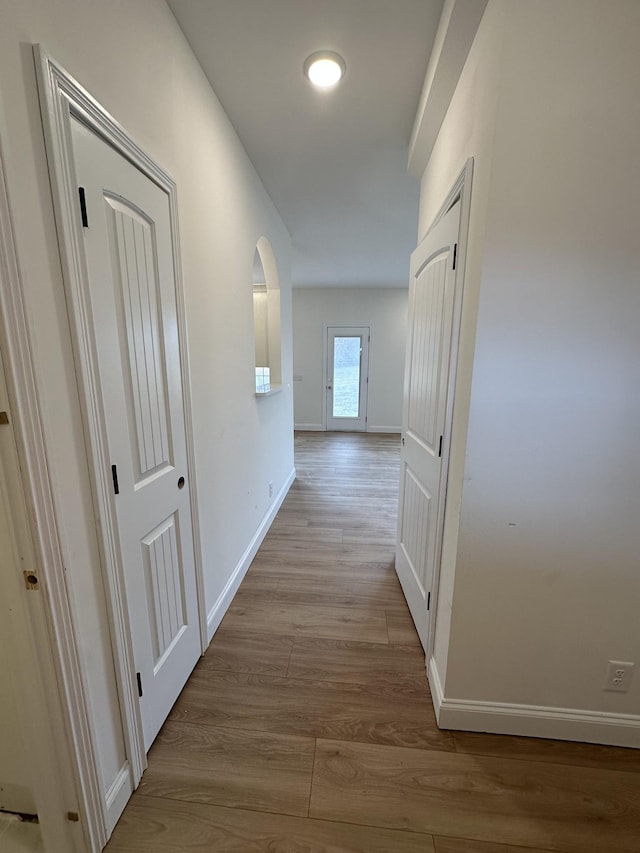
[(181, 482)]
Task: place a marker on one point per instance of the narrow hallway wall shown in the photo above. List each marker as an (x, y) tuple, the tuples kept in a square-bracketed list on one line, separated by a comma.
[(133, 58)]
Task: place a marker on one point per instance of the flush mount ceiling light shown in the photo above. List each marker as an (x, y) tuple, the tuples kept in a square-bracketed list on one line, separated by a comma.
[(324, 69)]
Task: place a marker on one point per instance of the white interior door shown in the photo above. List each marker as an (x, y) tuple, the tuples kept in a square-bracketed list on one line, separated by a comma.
[(431, 301), (131, 289), (347, 377)]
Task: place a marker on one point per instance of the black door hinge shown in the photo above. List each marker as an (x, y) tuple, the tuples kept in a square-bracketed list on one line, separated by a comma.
[(139, 684), (114, 474), (83, 208), (429, 600), (455, 255), (440, 448)]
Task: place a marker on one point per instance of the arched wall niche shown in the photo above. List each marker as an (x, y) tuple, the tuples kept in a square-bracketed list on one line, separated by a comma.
[(266, 319)]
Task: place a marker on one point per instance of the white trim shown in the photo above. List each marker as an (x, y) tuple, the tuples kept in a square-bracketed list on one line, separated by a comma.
[(435, 685), (461, 190), (118, 795), (62, 98), (325, 365), (569, 724), (274, 389), (539, 721), (456, 31), (505, 718), (310, 427), (53, 638), (231, 587), (363, 388), (391, 429)]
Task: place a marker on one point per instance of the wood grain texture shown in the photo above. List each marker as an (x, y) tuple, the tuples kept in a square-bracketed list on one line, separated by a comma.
[(233, 651), (465, 845), (230, 767), (401, 630), (342, 623), (398, 714), (356, 663), (555, 807), (385, 779), (286, 534), (151, 825), (329, 551), (331, 564), (256, 587), (554, 751), (340, 589)]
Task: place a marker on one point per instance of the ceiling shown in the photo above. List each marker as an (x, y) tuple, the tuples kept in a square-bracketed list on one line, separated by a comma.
[(334, 163)]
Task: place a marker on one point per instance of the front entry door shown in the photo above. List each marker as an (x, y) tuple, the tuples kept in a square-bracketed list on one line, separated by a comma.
[(431, 301), (131, 289), (347, 378)]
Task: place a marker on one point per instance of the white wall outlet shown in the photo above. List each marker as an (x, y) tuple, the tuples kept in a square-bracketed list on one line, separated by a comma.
[(619, 675), (270, 490)]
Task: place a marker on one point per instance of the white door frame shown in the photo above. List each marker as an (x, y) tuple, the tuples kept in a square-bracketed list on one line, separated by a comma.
[(61, 97), (461, 190), (325, 373), (50, 682)]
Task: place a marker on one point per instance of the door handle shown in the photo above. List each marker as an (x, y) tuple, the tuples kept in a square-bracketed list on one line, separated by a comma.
[(181, 482)]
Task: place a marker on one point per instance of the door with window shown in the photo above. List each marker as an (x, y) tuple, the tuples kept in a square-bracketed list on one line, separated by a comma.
[(347, 377)]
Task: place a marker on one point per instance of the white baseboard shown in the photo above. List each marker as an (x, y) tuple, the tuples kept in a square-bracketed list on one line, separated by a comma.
[(393, 429), (214, 617), (532, 720), (321, 428), (118, 796)]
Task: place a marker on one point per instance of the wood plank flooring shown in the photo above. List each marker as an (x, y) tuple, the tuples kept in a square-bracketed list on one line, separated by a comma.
[(308, 726)]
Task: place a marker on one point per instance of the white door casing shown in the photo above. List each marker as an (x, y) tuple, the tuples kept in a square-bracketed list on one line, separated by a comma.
[(347, 377), (62, 99), (132, 298), (431, 310)]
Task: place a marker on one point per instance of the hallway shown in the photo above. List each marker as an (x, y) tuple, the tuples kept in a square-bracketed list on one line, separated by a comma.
[(308, 725)]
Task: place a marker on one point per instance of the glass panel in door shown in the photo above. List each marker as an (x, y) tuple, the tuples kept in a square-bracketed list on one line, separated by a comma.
[(346, 376)]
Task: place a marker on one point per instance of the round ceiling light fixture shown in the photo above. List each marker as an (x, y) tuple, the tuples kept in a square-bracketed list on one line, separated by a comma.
[(325, 69)]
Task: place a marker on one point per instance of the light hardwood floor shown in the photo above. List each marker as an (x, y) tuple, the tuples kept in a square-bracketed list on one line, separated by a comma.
[(308, 726)]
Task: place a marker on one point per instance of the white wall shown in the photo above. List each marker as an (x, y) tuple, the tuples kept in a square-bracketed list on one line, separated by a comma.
[(133, 58), (467, 131), (542, 572), (261, 329), (15, 777), (385, 311)]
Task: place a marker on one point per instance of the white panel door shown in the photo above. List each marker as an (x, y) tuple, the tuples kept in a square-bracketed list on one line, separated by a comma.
[(431, 300), (131, 288), (347, 377)]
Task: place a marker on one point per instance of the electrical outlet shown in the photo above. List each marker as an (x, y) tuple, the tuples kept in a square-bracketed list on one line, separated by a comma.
[(270, 490), (619, 675)]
